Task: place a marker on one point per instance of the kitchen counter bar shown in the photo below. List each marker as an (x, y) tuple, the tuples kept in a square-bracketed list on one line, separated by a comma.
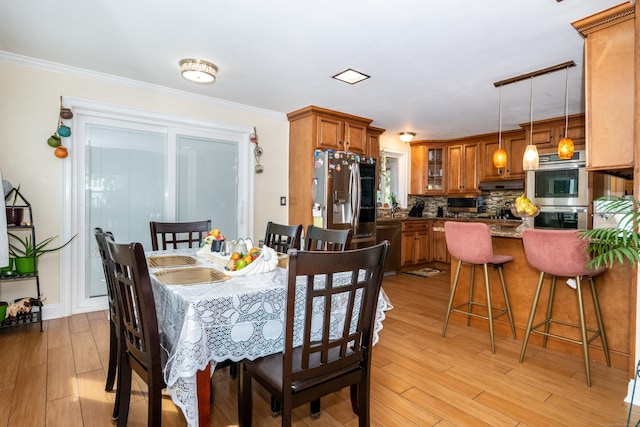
[(614, 291)]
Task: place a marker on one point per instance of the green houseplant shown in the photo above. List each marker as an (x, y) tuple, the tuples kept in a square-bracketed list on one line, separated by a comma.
[(26, 251), (621, 243)]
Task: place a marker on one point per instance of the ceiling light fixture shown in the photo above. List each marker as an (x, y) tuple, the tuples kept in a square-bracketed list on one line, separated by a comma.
[(565, 145), (351, 76), (500, 155), (198, 71), (530, 159), (406, 136)]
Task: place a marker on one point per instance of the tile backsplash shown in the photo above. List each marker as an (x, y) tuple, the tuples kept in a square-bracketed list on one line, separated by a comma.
[(493, 201)]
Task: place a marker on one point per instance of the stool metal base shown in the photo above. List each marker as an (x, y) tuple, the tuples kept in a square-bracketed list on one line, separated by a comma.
[(584, 330), (492, 312)]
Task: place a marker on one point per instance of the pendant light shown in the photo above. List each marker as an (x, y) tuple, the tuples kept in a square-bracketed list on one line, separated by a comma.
[(500, 156), (530, 159), (565, 145)]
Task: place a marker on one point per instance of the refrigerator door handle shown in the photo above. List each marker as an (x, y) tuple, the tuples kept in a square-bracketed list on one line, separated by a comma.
[(355, 195)]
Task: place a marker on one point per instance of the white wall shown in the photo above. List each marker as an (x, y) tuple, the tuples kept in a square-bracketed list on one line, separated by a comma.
[(29, 107)]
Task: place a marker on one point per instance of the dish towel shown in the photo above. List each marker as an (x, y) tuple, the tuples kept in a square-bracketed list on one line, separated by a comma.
[(4, 239)]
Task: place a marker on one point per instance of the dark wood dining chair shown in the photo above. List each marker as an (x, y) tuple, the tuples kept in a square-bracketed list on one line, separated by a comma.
[(114, 318), (324, 239), (140, 340), (282, 238), (328, 359), (175, 234)]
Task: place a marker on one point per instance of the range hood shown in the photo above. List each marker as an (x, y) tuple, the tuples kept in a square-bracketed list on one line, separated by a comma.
[(502, 184)]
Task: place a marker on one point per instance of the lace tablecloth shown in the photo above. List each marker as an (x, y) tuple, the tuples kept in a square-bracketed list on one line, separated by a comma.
[(238, 318)]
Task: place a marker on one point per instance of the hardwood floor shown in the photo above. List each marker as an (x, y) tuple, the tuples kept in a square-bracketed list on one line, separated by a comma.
[(56, 378)]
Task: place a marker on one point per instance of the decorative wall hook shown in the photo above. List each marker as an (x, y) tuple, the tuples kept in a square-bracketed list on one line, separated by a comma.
[(257, 151)]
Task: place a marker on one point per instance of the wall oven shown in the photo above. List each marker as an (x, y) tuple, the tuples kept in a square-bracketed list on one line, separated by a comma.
[(559, 182), (560, 188)]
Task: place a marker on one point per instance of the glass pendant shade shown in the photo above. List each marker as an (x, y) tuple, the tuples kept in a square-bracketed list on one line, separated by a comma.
[(530, 159), (500, 158), (565, 148)]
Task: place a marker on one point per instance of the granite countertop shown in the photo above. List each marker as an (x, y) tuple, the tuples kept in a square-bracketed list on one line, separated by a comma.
[(498, 227)]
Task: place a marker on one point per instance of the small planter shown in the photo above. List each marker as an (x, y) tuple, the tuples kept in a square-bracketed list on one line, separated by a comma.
[(3, 311), (26, 265), (14, 215), (7, 268)]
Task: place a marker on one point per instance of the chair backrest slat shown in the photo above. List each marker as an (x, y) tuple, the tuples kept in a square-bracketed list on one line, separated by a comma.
[(324, 239), (283, 238), (178, 234)]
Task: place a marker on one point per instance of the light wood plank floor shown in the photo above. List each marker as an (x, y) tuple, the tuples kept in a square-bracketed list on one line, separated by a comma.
[(56, 378)]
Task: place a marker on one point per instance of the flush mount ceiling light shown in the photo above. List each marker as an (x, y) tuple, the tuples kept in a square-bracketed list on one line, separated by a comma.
[(351, 76), (406, 136), (198, 71)]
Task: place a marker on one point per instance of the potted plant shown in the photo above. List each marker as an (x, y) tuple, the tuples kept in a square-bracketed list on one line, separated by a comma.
[(620, 243), (26, 252), (14, 214)]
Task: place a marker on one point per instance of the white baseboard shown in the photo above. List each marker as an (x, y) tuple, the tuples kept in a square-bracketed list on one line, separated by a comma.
[(630, 392), (51, 311)]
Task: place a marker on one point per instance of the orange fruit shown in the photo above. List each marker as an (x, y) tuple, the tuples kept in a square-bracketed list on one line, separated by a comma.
[(247, 259), (254, 251), (235, 255)]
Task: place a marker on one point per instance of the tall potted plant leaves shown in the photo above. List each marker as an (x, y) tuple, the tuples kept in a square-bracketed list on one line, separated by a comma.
[(26, 252), (620, 243)]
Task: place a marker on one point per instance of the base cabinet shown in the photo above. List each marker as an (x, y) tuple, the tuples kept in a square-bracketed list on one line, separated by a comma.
[(439, 249), (415, 243)]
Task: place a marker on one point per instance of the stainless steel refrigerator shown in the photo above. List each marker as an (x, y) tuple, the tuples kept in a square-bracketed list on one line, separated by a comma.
[(344, 194)]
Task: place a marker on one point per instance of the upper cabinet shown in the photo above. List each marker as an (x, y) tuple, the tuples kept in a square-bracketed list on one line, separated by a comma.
[(547, 133), (428, 168), (609, 87), (514, 143), (332, 130), (312, 128), (462, 169)]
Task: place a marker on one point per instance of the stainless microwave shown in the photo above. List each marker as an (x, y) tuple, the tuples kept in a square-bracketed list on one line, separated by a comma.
[(559, 182)]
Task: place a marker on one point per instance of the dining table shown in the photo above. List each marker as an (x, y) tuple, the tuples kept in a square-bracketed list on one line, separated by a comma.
[(207, 315)]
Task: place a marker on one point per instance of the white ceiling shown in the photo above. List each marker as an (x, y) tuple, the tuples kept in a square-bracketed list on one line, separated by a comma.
[(432, 64)]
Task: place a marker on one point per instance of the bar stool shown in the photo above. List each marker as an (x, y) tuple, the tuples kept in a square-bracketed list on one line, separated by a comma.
[(562, 253), (470, 243)]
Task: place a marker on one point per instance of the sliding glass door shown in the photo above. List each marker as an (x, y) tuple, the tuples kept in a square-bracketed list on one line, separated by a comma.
[(129, 172)]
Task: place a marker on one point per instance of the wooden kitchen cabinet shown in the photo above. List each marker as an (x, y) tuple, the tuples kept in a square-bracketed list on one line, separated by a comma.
[(341, 132), (428, 168), (439, 251), (462, 168), (415, 243), (547, 133), (312, 128), (609, 87), (514, 143)]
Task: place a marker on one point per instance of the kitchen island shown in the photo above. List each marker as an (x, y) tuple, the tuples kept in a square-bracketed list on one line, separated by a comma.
[(614, 287)]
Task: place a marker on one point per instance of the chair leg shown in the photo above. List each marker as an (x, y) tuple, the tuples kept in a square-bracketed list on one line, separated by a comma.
[(363, 402), (453, 293), (489, 309), (583, 331), (532, 314), (276, 409), (314, 409), (355, 405), (596, 306), (124, 391), (113, 357), (245, 405), (471, 282), (506, 300), (552, 293), (154, 415)]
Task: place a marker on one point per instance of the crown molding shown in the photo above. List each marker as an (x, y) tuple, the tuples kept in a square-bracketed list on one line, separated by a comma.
[(55, 67)]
